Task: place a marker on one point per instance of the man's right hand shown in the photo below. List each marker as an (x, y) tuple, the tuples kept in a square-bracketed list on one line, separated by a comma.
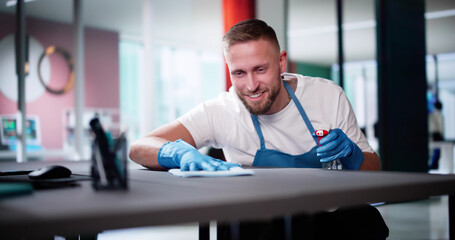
[(181, 154)]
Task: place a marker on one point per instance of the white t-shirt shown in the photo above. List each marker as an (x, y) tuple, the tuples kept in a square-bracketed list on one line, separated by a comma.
[(225, 123)]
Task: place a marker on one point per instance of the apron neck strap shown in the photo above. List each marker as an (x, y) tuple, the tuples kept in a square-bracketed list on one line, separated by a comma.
[(258, 130), (301, 111)]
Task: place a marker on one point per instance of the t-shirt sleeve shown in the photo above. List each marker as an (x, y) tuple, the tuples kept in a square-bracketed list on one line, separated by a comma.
[(196, 122), (348, 123), (204, 122)]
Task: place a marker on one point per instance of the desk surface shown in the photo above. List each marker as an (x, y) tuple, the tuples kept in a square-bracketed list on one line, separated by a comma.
[(157, 198)]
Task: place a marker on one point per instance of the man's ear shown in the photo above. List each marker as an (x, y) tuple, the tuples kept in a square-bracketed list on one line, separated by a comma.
[(283, 61)]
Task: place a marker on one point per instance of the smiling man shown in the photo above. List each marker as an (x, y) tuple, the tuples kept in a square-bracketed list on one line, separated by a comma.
[(268, 118)]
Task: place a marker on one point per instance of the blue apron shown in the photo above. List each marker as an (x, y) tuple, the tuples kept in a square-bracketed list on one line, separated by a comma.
[(274, 158)]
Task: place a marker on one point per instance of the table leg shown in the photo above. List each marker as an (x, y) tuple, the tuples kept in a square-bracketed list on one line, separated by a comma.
[(235, 230), (452, 217), (204, 231), (288, 227)]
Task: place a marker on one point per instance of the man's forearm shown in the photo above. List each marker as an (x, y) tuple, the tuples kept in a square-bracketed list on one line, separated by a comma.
[(144, 151), (371, 161)]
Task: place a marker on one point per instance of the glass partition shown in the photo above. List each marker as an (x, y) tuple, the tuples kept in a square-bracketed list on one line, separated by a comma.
[(360, 69), (312, 39)]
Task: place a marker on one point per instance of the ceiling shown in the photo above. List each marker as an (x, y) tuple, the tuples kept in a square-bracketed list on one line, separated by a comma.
[(311, 23)]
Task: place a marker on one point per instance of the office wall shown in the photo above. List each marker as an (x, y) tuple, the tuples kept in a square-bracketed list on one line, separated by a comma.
[(101, 74), (313, 70)]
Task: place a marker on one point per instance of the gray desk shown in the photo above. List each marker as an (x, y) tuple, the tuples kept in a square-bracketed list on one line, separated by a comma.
[(159, 198)]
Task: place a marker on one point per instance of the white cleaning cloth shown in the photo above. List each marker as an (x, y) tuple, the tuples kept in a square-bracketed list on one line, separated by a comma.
[(235, 171)]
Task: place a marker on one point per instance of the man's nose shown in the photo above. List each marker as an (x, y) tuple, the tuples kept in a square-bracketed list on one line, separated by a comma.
[(253, 83)]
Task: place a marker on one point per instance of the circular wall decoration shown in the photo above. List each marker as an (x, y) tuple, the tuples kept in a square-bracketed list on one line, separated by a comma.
[(8, 77), (69, 61)]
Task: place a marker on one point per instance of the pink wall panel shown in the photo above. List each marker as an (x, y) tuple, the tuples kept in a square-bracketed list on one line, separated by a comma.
[(101, 69), (101, 74)]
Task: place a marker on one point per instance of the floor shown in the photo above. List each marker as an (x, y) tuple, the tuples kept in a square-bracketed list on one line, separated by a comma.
[(419, 220), (424, 219)]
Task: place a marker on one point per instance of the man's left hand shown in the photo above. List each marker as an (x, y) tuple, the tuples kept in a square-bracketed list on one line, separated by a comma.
[(336, 145)]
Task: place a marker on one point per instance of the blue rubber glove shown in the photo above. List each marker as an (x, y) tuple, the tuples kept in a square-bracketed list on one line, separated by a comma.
[(181, 154), (336, 145)]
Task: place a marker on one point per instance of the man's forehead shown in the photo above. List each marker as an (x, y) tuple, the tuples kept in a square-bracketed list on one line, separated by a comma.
[(249, 49)]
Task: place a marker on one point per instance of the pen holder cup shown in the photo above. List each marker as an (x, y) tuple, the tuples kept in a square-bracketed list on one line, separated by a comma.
[(109, 161), (109, 172)]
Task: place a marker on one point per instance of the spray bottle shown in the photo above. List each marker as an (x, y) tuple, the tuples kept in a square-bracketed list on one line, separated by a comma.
[(322, 131)]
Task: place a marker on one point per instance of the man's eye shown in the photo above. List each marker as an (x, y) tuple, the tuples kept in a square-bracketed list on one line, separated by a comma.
[(238, 74), (261, 70)]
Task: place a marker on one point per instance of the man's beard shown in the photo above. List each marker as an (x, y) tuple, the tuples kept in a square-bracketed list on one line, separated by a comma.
[(262, 108)]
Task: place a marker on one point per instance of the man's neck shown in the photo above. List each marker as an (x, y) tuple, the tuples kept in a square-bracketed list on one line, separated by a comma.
[(293, 84)]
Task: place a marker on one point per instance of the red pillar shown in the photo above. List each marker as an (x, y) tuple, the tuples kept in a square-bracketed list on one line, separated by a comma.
[(235, 11)]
